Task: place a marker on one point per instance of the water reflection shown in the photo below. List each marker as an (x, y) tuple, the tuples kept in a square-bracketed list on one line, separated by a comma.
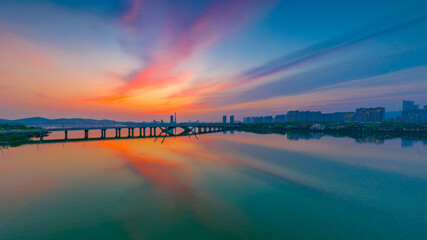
[(220, 186), (407, 141)]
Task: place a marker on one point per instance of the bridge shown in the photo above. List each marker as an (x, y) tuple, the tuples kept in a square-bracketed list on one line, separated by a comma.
[(142, 130)]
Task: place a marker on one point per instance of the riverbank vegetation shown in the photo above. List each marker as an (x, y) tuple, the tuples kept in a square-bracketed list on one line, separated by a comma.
[(348, 128), (15, 139)]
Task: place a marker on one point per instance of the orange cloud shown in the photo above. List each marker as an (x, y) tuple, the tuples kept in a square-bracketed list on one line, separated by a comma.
[(164, 74)]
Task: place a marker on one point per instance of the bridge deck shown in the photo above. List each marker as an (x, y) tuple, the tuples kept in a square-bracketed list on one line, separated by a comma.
[(47, 141), (145, 125)]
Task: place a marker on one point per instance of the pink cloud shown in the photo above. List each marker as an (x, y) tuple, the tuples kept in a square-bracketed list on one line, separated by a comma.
[(163, 68), (133, 13), (16, 50)]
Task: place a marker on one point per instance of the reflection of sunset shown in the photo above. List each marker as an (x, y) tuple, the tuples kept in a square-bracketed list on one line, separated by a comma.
[(21, 192), (164, 167), (220, 183), (171, 167), (160, 171)]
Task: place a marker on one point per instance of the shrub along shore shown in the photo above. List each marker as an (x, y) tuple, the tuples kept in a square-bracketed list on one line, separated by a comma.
[(347, 127), (15, 139)]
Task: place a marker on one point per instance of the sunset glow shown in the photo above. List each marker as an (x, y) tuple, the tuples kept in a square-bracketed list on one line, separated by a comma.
[(143, 60)]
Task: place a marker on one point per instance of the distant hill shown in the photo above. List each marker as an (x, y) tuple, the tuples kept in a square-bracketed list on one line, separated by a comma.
[(39, 121)]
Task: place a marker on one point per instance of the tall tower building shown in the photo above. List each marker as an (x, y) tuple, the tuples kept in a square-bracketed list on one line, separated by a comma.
[(409, 105)]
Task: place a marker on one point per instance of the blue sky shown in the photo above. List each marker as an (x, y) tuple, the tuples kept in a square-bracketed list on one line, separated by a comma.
[(139, 60)]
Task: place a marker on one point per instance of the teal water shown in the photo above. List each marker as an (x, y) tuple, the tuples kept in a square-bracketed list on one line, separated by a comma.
[(221, 186)]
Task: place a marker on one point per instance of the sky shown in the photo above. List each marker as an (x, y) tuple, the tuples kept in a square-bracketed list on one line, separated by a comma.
[(140, 60)]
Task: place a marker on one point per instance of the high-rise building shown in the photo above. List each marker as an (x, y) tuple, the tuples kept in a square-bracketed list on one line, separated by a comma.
[(333, 117), (412, 113), (370, 114), (409, 105), (268, 119), (224, 119), (171, 118), (231, 119), (349, 117), (280, 118), (304, 116)]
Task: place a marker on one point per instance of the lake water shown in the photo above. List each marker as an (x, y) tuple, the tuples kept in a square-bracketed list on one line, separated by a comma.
[(221, 186)]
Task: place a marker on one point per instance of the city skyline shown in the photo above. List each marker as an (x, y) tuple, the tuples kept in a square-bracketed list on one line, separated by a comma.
[(143, 60), (409, 112)]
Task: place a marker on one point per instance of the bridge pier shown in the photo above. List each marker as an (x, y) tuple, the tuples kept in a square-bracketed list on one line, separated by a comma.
[(168, 129)]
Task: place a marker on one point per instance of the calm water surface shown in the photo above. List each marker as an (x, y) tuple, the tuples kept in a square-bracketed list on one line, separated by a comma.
[(222, 186)]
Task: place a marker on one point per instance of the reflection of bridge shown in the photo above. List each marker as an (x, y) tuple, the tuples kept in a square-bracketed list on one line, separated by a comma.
[(145, 130), (163, 136)]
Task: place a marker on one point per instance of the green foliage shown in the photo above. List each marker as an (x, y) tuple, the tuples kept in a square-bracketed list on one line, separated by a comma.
[(15, 139), (388, 127)]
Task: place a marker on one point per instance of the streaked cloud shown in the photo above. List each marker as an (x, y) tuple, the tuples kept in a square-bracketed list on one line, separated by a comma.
[(143, 59)]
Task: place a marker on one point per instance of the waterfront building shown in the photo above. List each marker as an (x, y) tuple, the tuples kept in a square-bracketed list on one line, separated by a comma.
[(304, 116), (231, 119), (257, 119), (409, 105), (412, 113), (280, 118), (333, 117), (370, 114), (224, 119), (268, 119), (349, 117)]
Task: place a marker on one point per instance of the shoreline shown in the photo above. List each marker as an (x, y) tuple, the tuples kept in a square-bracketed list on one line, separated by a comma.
[(381, 130)]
